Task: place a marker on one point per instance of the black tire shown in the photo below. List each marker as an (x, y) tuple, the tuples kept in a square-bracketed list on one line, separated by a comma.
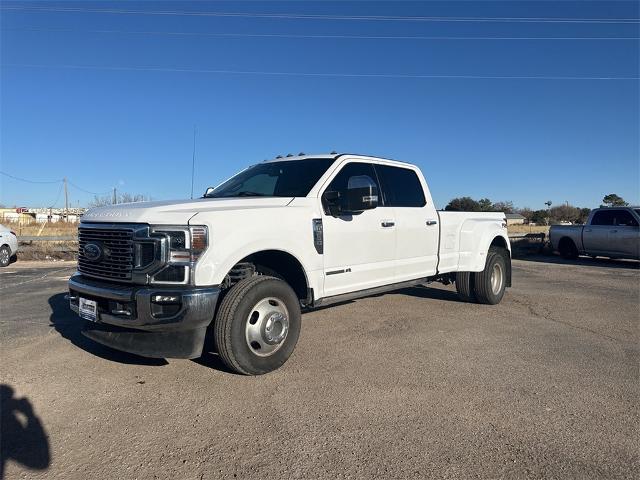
[(233, 317), (486, 290), (568, 249), (464, 286), (5, 256)]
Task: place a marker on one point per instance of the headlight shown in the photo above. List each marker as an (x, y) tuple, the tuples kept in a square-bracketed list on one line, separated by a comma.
[(184, 246)]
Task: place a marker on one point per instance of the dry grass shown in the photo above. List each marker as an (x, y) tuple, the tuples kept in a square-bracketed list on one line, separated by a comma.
[(43, 229), (528, 229), (67, 250)]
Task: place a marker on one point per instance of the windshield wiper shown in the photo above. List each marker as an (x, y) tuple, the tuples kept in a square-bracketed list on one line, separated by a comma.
[(250, 194)]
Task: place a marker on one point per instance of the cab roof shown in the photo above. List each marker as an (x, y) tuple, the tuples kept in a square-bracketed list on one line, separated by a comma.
[(335, 156)]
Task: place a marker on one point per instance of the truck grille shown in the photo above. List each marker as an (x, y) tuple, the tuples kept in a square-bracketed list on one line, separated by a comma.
[(116, 259)]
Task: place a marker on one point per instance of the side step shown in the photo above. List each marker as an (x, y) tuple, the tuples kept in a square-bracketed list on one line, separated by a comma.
[(345, 297)]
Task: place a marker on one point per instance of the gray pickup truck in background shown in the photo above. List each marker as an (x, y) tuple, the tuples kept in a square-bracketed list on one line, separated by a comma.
[(609, 232)]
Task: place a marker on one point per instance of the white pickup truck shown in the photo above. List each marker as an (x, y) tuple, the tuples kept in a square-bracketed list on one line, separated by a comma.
[(609, 232), (279, 237)]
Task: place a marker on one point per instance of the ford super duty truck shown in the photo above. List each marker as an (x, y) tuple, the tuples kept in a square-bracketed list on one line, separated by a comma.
[(282, 236), (609, 232)]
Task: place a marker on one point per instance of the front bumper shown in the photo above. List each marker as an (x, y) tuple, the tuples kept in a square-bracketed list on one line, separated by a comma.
[(130, 318)]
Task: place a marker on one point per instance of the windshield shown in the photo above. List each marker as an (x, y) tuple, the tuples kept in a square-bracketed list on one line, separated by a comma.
[(293, 178)]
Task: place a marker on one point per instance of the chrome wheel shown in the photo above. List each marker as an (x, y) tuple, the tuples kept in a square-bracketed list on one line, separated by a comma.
[(497, 278), (267, 326)]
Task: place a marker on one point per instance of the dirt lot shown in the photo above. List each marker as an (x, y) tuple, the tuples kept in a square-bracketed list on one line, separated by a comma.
[(412, 384)]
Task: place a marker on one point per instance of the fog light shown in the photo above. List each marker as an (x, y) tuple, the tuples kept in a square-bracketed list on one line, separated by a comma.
[(119, 309), (165, 298)]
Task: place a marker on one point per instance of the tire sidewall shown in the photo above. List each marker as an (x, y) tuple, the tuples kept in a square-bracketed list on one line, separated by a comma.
[(249, 361), (497, 257)]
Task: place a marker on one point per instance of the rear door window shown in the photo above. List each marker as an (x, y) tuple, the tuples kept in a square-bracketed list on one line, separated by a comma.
[(623, 218), (401, 187)]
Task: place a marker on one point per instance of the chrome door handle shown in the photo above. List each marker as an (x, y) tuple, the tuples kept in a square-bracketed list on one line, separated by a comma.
[(431, 222), (387, 224)]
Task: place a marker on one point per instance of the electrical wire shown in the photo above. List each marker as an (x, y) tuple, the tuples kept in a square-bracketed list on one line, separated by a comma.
[(57, 196), (61, 181), (318, 36), (310, 16), (28, 181), (316, 74), (87, 191)]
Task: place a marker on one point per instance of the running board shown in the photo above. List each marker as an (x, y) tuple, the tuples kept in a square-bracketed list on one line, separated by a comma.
[(345, 297)]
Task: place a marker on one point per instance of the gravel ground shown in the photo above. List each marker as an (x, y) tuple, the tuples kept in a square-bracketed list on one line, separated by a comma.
[(411, 384)]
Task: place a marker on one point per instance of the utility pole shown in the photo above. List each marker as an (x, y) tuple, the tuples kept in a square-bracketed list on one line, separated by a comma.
[(115, 197), (66, 201)]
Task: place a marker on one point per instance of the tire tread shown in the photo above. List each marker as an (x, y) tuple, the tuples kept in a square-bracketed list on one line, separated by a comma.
[(224, 319)]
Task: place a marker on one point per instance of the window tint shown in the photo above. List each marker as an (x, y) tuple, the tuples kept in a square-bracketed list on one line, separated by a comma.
[(623, 218), (603, 217), (351, 176), (400, 187), (292, 178)]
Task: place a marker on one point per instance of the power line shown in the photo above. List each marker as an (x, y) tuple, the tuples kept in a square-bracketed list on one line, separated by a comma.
[(57, 196), (29, 181), (311, 16), (53, 181), (319, 36), (87, 191), (318, 74)]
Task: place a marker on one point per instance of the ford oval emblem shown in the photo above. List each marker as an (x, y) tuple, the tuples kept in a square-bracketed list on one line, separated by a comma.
[(92, 252)]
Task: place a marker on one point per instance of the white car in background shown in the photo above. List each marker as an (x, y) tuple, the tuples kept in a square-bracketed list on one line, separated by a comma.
[(8, 245)]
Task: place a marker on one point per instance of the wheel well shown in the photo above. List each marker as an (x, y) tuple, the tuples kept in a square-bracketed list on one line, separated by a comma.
[(566, 241), (499, 242), (280, 264)]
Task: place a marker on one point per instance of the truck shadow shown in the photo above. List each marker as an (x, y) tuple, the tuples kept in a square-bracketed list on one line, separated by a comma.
[(582, 261), (69, 325), (24, 439)]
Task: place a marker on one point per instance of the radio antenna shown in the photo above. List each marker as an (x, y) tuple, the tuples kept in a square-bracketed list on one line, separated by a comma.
[(193, 160)]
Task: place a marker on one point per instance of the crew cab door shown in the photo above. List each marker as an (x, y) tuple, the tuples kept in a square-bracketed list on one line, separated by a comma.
[(359, 248), (596, 235), (417, 228), (625, 235)]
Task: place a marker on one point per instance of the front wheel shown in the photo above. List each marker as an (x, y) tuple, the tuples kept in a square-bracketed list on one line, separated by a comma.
[(491, 283), (257, 325)]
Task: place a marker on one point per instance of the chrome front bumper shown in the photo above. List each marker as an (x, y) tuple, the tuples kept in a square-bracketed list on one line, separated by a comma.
[(131, 318)]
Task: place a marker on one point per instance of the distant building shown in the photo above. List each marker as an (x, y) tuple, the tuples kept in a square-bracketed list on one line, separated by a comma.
[(16, 215), (24, 216), (515, 219)]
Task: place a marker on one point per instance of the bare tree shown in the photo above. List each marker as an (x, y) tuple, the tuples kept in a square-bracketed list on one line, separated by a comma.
[(124, 197)]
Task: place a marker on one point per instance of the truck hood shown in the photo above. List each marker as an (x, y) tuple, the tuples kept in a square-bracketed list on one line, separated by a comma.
[(177, 212)]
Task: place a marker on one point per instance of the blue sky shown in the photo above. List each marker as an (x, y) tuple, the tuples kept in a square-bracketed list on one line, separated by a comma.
[(81, 98)]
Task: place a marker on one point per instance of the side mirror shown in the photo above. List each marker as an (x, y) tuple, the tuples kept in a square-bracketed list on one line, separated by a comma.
[(208, 192), (361, 194), (361, 198)]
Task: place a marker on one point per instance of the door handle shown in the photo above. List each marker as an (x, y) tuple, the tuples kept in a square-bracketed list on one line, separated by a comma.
[(613, 231), (587, 229), (387, 224), (432, 222)]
